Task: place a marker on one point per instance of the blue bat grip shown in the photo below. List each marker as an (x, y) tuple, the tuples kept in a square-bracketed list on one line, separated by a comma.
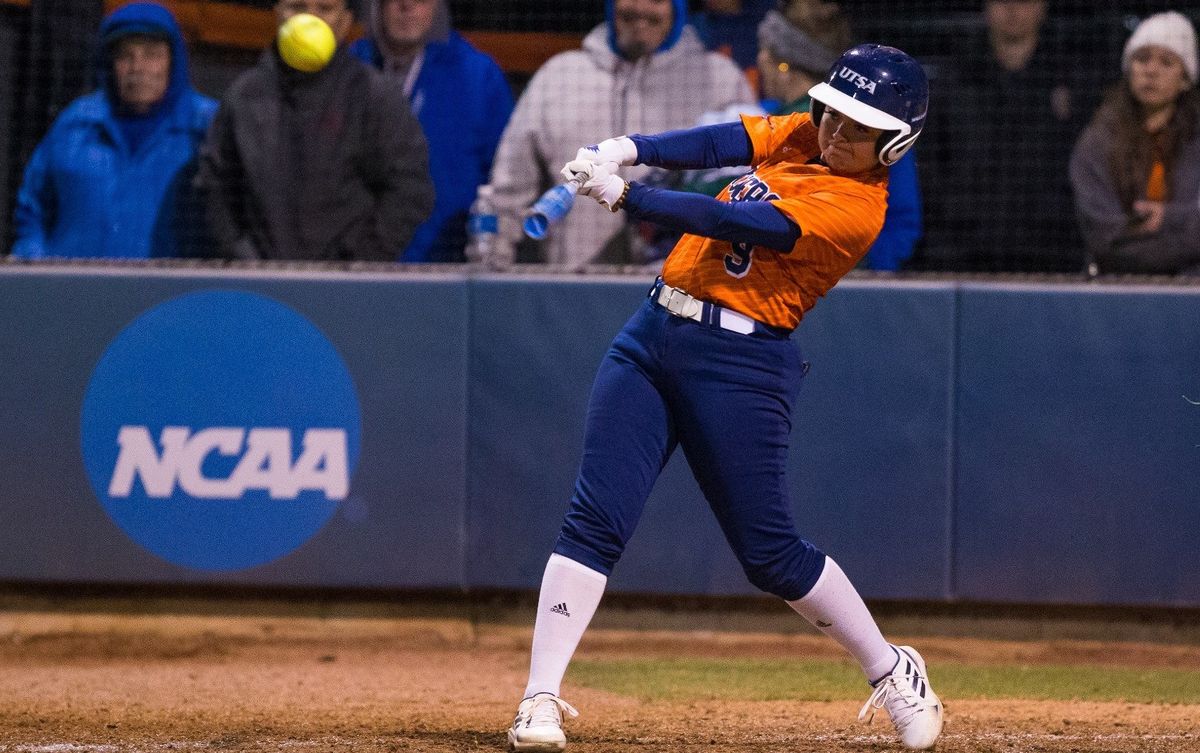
[(549, 209)]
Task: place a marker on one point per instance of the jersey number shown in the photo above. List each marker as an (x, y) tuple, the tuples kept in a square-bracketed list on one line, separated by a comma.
[(737, 263), (746, 188)]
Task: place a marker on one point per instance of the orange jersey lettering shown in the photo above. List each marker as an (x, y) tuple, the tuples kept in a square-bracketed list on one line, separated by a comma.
[(839, 218)]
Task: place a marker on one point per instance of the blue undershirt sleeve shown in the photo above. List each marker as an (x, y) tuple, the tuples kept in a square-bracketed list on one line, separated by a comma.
[(721, 145), (758, 223)]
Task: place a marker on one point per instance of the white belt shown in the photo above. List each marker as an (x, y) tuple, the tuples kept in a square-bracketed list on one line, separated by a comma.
[(679, 303)]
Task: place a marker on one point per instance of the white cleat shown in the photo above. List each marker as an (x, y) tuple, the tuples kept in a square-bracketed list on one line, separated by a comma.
[(914, 708), (538, 726)]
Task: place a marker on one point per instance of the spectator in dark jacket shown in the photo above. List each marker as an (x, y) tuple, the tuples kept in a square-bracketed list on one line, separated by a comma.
[(113, 176), (998, 197), (328, 166), (459, 95)]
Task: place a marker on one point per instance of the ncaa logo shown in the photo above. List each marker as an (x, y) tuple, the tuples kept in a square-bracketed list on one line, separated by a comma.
[(220, 430)]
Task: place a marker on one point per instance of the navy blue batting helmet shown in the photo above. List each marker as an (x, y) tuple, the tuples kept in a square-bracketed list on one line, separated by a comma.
[(880, 87)]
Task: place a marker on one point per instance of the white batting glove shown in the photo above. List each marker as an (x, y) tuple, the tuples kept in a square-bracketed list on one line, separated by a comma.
[(620, 150), (599, 181), (580, 171)]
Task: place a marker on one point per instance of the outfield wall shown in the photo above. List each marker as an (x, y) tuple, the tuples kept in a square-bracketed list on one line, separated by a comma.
[(954, 440)]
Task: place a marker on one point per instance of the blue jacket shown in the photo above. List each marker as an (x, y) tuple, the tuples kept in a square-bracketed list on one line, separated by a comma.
[(463, 102), (902, 225), (737, 31), (86, 193)]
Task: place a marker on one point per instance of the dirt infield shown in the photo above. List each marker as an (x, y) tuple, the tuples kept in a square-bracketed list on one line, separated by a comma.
[(94, 682)]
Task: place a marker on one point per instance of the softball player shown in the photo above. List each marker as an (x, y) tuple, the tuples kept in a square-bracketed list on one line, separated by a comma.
[(706, 364)]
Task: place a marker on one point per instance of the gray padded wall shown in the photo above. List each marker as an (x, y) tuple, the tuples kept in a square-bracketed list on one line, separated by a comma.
[(980, 441)]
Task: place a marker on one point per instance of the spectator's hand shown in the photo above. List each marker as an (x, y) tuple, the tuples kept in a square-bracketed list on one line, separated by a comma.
[(620, 150), (1148, 217), (598, 181)]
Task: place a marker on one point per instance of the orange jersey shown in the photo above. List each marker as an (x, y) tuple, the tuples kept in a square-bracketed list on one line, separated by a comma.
[(838, 217)]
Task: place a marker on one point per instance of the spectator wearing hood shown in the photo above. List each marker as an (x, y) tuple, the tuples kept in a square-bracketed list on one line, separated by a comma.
[(796, 47), (322, 166), (460, 97), (112, 178), (643, 70)]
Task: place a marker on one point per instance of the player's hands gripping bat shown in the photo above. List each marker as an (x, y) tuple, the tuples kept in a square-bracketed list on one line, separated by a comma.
[(598, 181), (553, 205)]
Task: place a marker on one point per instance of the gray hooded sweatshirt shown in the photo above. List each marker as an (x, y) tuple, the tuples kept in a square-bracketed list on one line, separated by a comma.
[(584, 96)]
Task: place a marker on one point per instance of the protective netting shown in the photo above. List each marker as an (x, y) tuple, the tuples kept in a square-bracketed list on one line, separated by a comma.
[(991, 184)]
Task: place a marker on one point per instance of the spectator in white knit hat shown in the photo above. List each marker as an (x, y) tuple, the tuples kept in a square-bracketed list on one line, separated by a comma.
[(1136, 168)]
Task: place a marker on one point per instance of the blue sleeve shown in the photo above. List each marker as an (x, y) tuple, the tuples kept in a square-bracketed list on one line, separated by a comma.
[(35, 207), (498, 110), (758, 223), (902, 225), (721, 145)]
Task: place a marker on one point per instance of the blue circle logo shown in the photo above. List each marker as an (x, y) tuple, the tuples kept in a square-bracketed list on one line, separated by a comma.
[(220, 430)]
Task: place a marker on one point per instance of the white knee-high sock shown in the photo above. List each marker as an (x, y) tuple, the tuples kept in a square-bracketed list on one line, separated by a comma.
[(837, 610), (568, 599)]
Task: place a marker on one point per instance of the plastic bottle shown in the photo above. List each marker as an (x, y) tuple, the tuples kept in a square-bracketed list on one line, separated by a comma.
[(482, 226), (549, 209)]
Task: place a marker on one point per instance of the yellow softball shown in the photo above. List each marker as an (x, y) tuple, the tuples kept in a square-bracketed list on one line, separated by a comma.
[(306, 42)]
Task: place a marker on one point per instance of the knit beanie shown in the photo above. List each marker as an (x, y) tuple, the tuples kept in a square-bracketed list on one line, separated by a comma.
[(788, 43), (1171, 30)]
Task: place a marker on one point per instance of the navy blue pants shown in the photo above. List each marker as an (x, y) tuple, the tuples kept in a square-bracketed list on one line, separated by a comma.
[(726, 398)]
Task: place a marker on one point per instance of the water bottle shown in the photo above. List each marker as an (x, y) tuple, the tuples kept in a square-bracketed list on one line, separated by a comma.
[(549, 209), (482, 226)]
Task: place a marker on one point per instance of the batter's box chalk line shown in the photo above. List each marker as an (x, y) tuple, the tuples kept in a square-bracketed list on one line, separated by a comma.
[(325, 743)]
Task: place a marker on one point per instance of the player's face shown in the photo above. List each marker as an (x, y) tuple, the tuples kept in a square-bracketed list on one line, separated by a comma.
[(641, 26), (333, 12), (847, 147), (406, 22), (1015, 19), (142, 69), (1157, 77)]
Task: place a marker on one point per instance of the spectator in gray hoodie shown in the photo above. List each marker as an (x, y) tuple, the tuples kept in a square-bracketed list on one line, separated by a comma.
[(1136, 169), (643, 70)]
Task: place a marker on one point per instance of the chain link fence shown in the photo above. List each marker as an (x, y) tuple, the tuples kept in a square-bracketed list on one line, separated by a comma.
[(1014, 86)]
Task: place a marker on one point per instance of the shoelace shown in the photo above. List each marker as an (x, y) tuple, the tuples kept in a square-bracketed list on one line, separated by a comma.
[(548, 709), (898, 685)]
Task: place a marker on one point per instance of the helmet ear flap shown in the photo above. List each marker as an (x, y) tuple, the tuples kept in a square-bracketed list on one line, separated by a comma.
[(892, 145), (881, 145), (817, 111)]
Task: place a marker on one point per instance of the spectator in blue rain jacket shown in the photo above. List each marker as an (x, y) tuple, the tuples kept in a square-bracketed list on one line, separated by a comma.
[(460, 97), (112, 178)]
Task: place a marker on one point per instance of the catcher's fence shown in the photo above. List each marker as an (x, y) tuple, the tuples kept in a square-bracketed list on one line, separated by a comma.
[(991, 191)]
